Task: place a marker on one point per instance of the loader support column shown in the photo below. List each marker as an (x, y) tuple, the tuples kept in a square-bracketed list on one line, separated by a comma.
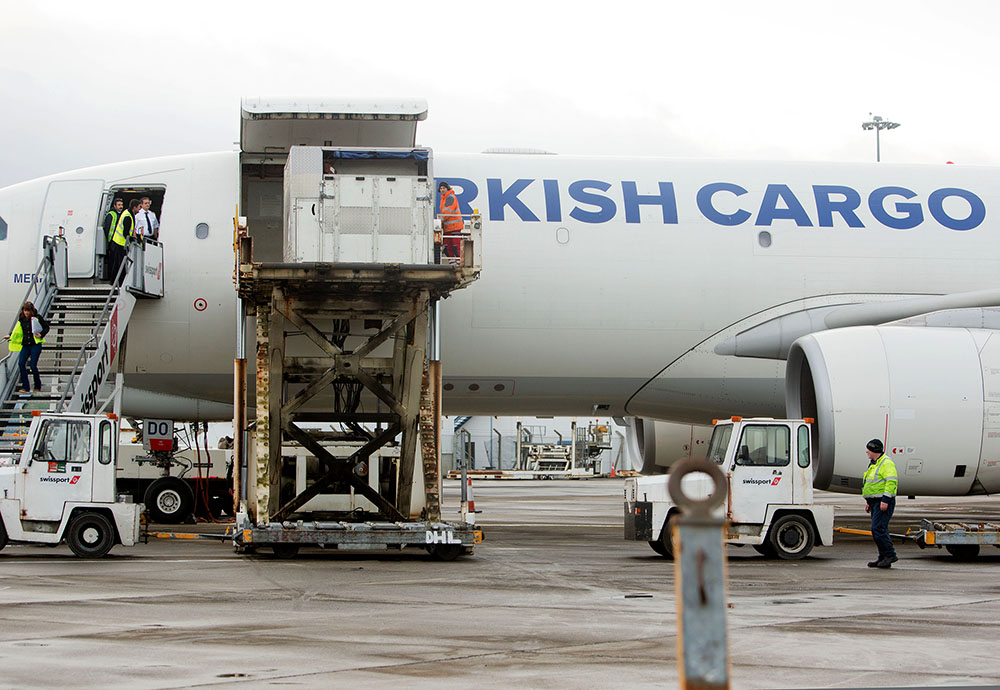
[(267, 322)]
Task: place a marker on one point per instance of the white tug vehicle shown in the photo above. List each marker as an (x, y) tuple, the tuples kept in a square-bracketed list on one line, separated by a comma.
[(61, 487), (769, 504)]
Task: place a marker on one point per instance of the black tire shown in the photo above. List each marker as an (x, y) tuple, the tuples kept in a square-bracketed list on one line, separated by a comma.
[(3, 535), (169, 500), (90, 535), (285, 550), (963, 552), (665, 542), (446, 552), (657, 547), (791, 537), (765, 550)]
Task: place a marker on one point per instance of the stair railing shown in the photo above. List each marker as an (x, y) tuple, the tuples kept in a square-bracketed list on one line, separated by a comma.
[(81, 359), (41, 291)]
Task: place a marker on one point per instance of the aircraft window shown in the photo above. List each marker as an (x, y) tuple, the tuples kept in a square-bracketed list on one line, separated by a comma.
[(765, 446), (764, 239), (803, 446), (3, 229), (201, 231), (719, 443)]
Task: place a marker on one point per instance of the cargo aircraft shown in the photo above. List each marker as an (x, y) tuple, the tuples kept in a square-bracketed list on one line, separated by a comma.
[(667, 291)]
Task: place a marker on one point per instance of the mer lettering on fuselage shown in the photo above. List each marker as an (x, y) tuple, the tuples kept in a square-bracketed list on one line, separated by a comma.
[(894, 207)]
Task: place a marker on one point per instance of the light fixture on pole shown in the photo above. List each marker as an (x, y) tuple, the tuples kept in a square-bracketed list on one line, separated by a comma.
[(878, 123)]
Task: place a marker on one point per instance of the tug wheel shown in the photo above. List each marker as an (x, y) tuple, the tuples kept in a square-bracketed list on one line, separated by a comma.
[(90, 535), (791, 537)]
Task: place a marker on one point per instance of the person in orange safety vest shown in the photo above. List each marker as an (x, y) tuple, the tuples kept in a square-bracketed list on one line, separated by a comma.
[(451, 219)]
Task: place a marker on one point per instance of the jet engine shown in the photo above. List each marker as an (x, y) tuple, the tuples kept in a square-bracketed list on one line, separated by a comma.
[(653, 446), (932, 395)]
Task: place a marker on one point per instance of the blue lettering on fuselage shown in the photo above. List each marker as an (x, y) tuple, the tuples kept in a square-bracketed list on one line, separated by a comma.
[(722, 203), (24, 277)]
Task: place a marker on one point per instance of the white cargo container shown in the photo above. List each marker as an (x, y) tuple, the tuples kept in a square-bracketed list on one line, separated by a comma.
[(353, 205)]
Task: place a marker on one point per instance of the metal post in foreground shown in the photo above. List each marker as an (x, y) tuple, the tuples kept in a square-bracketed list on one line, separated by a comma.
[(700, 581)]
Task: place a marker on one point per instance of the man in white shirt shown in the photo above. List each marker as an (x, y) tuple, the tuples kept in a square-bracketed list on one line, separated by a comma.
[(146, 224)]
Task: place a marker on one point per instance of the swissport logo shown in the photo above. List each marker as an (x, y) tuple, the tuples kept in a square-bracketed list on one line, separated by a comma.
[(59, 480), (762, 482)]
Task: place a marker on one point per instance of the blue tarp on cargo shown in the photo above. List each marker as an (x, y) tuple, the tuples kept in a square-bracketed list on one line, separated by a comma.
[(415, 155)]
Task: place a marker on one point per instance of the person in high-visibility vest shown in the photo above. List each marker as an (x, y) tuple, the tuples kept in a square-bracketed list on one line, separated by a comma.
[(451, 219), (27, 339), (879, 489), (110, 223), (119, 239)]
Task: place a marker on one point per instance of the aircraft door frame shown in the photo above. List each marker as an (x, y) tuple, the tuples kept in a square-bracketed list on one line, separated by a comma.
[(75, 206)]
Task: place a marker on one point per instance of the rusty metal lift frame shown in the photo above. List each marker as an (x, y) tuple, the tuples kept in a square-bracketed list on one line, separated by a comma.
[(402, 300)]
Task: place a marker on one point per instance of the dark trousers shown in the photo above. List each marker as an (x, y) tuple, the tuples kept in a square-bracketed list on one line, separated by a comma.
[(28, 356), (116, 254), (880, 524)]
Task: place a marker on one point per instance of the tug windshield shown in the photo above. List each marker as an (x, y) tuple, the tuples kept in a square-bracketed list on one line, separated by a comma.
[(720, 441)]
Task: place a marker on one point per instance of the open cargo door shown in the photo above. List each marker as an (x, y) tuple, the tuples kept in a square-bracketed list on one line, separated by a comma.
[(272, 126)]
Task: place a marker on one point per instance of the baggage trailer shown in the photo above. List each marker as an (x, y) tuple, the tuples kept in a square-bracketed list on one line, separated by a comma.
[(961, 539), (442, 540), (769, 504)]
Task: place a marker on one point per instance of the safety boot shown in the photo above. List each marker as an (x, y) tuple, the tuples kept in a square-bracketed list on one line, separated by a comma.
[(887, 562)]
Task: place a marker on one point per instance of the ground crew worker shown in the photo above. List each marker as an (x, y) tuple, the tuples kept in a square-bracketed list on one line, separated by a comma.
[(879, 490), (123, 232), (26, 340), (110, 223), (451, 219)]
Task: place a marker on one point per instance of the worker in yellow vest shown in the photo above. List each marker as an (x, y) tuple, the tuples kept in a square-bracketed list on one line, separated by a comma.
[(26, 340), (110, 225), (879, 489), (120, 237)]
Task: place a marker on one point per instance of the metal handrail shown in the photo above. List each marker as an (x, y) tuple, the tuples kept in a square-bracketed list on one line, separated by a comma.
[(43, 275), (96, 333)]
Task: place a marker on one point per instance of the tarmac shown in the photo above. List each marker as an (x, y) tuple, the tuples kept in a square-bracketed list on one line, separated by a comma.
[(554, 598)]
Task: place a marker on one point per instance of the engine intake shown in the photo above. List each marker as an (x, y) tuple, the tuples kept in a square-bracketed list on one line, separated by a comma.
[(931, 394)]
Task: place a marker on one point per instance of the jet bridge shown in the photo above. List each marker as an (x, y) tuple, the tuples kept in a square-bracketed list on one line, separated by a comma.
[(342, 448)]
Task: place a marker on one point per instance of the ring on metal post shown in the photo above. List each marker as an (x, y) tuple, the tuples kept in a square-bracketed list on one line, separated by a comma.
[(690, 505)]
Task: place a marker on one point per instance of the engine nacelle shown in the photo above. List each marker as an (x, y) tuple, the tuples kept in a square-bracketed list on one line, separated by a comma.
[(931, 394), (653, 446)]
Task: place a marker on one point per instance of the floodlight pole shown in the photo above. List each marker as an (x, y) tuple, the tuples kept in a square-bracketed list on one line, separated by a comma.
[(878, 123)]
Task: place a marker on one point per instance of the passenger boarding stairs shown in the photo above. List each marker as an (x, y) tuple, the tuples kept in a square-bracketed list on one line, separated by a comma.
[(83, 322)]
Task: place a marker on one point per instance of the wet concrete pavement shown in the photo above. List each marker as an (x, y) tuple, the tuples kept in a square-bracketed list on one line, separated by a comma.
[(553, 599)]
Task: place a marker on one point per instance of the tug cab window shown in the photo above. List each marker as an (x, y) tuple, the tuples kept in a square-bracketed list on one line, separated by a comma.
[(719, 444), (764, 446), (63, 441)]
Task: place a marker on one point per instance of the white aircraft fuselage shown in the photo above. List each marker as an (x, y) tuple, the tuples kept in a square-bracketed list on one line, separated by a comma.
[(606, 283)]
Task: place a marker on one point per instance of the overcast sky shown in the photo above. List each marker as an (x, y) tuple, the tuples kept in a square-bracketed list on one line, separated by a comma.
[(94, 82)]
